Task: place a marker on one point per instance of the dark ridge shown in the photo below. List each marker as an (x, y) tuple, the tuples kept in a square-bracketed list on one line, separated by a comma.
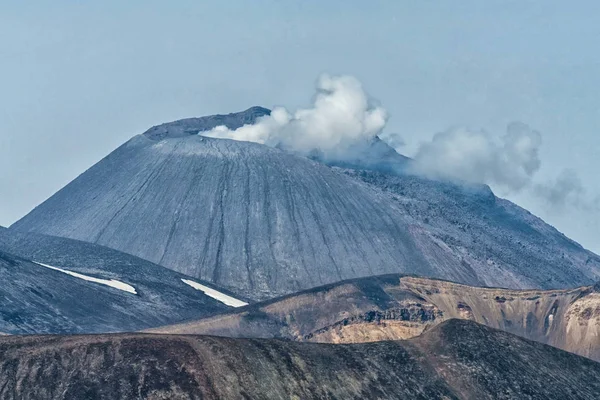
[(192, 126), (501, 362), (456, 360)]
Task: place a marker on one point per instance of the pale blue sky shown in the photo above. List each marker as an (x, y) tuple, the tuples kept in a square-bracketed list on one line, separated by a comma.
[(78, 78)]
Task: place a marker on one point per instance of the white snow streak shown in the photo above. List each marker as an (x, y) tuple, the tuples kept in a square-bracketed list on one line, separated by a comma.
[(223, 298), (112, 283)]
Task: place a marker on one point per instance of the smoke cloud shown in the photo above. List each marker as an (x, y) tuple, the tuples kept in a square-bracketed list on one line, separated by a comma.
[(341, 116), (394, 140), (508, 164), (566, 190), (463, 154)]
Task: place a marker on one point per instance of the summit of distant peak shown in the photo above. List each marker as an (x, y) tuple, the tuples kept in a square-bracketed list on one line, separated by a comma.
[(192, 126)]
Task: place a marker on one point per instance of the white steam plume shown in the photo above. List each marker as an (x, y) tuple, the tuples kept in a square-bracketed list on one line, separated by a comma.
[(507, 163), (341, 116)]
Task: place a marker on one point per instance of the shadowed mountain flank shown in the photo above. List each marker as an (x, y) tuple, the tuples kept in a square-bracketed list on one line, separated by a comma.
[(78, 287), (456, 360), (263, 222), (394, 307)]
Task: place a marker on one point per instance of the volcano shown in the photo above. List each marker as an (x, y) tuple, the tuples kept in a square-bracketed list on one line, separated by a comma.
[(262, 222)]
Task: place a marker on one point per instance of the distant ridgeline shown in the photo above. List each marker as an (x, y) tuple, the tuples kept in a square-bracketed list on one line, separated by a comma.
[(58, 285)]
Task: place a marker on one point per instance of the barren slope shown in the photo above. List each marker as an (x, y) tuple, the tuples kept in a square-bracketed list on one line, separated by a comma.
[(401, 307), (456, 360)]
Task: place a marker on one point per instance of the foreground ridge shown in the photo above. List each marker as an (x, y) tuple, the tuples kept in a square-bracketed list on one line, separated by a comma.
[(455, 360)]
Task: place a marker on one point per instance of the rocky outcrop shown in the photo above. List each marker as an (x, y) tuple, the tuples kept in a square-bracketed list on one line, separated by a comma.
[(399, 307), (568, 319), (455, 360)]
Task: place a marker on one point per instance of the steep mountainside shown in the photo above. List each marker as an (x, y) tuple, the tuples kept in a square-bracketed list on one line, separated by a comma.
[(486, 232), (263, 222), (77, 287), (401, 307), (455, 360), (245, 216)]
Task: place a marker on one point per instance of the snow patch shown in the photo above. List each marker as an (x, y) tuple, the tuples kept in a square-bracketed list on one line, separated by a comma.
[(112, 283), (223, 298)]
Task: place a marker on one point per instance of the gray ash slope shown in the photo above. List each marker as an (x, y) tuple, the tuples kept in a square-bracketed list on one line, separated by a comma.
[(455, 360), (242, 215), (36, 299), (263, 222)]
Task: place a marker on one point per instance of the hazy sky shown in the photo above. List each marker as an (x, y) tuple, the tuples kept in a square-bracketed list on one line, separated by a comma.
[(78, 78)]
